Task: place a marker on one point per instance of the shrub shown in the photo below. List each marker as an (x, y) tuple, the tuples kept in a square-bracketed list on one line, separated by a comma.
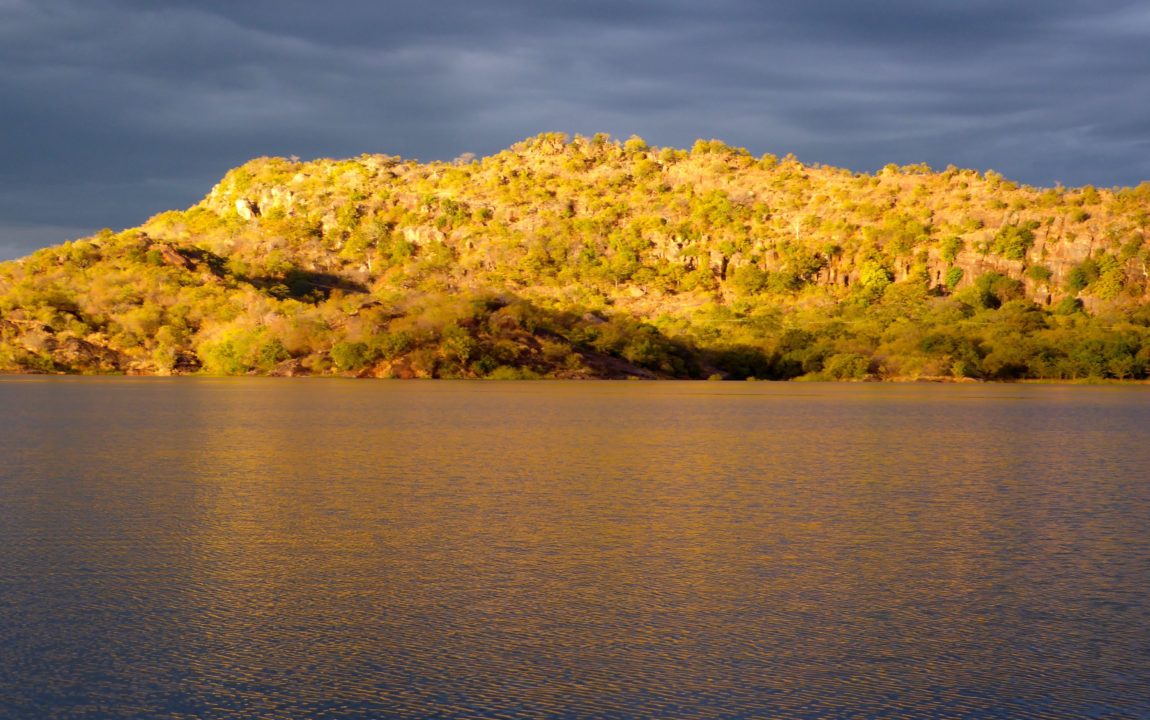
[(1039, 273), (1013, 241), (846, 366), (953, 277), (350, 356), (951, 247)]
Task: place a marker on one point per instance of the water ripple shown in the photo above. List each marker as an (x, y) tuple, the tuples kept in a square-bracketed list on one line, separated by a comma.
[(266, 549)]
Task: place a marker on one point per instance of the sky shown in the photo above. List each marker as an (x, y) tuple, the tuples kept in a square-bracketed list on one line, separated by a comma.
[(114, 110)]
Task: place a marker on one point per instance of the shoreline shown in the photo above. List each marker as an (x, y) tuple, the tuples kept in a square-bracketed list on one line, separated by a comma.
[(899, 380)]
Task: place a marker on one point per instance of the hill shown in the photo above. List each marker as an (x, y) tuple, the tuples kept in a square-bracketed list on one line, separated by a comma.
[(591, 257)]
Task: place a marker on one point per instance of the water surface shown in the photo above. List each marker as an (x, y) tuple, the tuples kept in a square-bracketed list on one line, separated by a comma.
[(310, 548)]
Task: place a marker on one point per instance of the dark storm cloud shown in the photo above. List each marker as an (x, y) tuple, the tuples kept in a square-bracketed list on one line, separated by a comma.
[(116, 109)]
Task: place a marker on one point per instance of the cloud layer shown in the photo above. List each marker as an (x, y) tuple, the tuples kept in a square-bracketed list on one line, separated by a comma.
[(115, 110)]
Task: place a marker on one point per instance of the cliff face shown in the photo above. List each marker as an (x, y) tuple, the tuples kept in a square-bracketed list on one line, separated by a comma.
[(572, 256)]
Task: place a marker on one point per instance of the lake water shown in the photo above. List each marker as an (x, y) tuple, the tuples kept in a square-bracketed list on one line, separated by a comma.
[(308, 548)]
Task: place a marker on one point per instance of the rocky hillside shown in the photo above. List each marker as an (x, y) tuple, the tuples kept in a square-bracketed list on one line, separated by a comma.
[(590, 257)]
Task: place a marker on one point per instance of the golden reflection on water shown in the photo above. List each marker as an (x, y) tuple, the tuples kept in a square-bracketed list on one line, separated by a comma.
[(330, 549)]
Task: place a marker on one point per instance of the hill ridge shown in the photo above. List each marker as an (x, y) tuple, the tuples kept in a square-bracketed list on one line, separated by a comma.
[(591, 257)]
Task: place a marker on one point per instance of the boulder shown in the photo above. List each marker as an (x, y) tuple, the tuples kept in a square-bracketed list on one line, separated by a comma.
[(247, 209)]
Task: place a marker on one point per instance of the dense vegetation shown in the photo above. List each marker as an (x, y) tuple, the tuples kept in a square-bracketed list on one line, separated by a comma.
[(590, 257)]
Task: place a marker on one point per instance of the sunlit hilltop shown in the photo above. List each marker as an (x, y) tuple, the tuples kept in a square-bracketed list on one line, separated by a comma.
[(593, 257)]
